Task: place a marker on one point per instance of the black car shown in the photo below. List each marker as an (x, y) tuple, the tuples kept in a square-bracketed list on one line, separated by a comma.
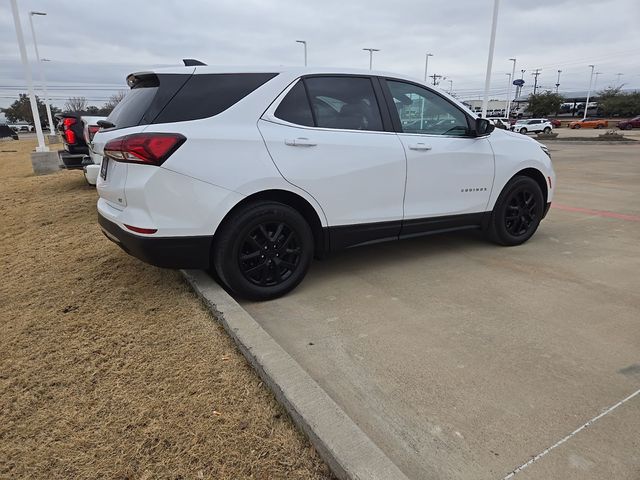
[(76, 149), (6, 131)]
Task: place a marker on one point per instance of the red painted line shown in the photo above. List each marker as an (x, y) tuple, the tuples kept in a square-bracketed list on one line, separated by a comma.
[(597, 213)]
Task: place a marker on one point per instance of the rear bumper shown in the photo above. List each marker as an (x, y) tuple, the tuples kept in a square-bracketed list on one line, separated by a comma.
[(166, 252), (72, 160)]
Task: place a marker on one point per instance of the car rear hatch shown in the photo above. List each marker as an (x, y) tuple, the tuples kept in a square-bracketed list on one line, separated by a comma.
[(157, 98), (148, 95)]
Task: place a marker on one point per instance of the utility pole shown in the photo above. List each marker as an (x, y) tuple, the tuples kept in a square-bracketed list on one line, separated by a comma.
[(586, 105), (535, 82), (426, 65), (492, 44), (558, 81), (435, 77)]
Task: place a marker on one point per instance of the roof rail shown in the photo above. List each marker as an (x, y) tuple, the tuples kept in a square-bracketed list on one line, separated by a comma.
[(192, 62)]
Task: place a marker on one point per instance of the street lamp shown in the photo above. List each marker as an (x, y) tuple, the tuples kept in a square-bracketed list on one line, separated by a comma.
[(506, 107), (595, 82), (426, 64), (492, 44), (27, 73), (304, 43), (586, 105), (450, 86), (618, 80), (511, 79), (371, 50), (558, 81), (41, 71)]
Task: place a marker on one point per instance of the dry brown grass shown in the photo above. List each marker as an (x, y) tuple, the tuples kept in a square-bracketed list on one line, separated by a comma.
[(110, 368)]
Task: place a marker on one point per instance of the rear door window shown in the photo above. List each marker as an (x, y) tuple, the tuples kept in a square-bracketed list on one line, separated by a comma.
[(344, 103), (295, 107)]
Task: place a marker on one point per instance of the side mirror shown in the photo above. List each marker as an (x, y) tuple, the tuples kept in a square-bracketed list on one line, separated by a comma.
[(483, 127)]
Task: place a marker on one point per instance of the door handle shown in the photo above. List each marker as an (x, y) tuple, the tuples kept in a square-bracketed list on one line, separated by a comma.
[(419, 146), (300, 142)]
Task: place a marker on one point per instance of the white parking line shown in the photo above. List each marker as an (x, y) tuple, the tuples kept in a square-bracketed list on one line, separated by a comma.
[(590, 422)]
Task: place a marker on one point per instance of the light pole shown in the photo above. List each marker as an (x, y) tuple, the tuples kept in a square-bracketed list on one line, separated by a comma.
[(43, 80), (492, 44), (586, 105), (506, 107), (426, 65), (27, 73), (511, 79), (595, 82), (618, 80), (558, 81), (304, 44), (371, 50), (450, 86)]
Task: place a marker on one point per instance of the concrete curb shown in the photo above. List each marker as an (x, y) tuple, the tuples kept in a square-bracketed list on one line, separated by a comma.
[(347, 450)]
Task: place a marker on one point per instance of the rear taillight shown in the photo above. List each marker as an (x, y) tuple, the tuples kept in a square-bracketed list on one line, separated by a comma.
[(147, 148), (92, 129), (69, 134)]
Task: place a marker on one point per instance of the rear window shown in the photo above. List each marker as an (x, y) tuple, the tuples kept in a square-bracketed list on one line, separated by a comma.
[(167, 98)]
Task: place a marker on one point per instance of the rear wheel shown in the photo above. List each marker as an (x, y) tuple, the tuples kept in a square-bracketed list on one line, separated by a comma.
[(546, 130), (263, 251), (576, 126), (518, 212)]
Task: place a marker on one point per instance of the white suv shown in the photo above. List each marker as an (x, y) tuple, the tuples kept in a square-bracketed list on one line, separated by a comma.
[(532, 125), (252, 172)]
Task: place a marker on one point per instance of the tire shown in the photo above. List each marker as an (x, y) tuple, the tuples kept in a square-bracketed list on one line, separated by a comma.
[(577, 126), (629, 127), (546, 130), (263, 251), (523, 131), (518, 212)]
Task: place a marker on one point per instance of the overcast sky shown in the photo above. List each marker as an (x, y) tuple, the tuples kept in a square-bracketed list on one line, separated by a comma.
[(94, 45)]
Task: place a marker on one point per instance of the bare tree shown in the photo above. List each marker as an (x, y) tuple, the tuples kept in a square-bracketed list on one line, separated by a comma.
[(113, 101), (75, 104)]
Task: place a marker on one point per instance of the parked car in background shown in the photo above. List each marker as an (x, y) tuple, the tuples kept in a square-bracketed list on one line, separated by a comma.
[(629, 124), (589, 123), (7, 132), (91, 165), (253, 171), (532, 125), (501, 123), (75, 147), (555, 122)]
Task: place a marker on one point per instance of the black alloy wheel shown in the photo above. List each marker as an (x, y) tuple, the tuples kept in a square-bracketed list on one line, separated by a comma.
[(263, 250), (518, 212), (522, 211), (269, 254)]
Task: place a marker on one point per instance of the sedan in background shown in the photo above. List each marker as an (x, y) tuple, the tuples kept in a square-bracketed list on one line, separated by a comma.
[(629, 124), (589, 123)]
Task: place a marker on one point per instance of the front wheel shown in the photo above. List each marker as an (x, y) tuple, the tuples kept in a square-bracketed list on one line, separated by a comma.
[(518, 212), (546, 130), (599, 126), (263, 251)]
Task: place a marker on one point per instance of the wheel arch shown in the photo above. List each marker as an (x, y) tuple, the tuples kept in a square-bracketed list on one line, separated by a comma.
[(538, 177), (293, 200)]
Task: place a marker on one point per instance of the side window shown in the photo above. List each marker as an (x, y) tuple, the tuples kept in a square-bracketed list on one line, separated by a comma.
[(423, 111), (295, 107), (344, 103)]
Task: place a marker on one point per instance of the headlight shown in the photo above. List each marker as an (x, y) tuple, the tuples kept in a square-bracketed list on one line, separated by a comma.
[(545, 150)]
